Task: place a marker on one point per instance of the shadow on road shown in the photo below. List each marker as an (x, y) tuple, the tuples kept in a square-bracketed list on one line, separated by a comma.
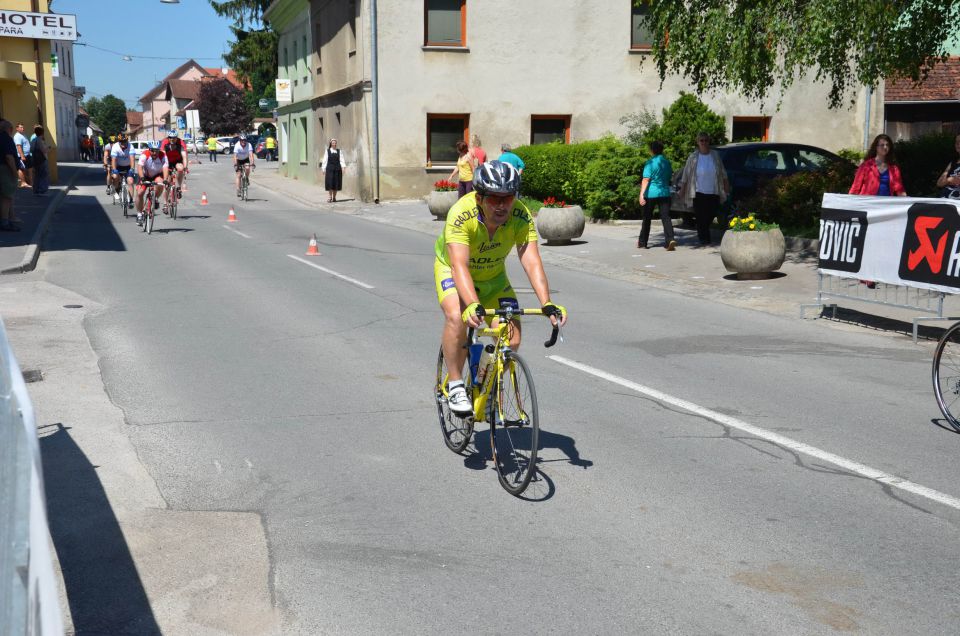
[(104, 590), (481, 456), (83, 223)]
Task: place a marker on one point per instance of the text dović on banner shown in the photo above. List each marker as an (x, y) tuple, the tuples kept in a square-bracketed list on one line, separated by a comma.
[(896, 240)]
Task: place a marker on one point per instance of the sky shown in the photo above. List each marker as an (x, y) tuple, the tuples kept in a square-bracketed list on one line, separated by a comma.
[(182, 31)]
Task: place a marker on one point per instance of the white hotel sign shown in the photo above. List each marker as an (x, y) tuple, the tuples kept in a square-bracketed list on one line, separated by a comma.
[(41, 26)]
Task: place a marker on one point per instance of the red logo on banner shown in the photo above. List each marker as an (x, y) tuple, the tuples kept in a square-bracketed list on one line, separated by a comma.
[(926, 251)]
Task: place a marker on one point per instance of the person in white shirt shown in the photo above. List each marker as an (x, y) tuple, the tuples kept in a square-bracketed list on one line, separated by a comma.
[(152, 167), (120, 164), (704, 186), (243, 159)]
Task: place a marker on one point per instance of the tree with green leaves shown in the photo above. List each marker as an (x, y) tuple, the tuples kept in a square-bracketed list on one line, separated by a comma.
[(223, 110), (254, 53), (682, 121), (109, 113), (752, 46)]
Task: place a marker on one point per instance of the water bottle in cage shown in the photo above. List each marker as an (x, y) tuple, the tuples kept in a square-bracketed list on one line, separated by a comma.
[(484, 364)]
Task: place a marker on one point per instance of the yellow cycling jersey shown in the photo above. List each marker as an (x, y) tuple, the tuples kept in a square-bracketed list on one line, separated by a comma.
[(487, 253)]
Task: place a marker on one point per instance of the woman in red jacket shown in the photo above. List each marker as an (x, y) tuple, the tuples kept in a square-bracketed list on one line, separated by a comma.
[(879, 174)]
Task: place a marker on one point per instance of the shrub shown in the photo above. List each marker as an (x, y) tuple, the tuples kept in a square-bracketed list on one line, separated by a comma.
[(851, 154), (682, 121), (793, 201), (556, 168), (612, 182), (922, 160)]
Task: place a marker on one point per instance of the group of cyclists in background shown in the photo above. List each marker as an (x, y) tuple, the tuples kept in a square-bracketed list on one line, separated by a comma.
[(165, 166)]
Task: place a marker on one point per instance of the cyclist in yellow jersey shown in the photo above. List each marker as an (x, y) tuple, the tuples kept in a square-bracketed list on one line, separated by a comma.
[(470, 272)]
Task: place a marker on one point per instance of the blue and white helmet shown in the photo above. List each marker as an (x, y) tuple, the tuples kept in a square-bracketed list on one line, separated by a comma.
[(496, 177), (172, 134)]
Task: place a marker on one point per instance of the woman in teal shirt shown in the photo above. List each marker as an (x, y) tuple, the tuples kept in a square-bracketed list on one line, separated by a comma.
[(654, 192)]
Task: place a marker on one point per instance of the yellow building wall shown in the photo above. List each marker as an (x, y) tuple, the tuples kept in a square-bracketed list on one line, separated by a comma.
[(19, 101)]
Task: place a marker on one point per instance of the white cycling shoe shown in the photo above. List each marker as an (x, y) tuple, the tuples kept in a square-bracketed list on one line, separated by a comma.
[(458, 402)]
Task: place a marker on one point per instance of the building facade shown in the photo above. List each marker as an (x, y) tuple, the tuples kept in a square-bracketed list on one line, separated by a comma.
[(66, 98), (451, 69), (26, 82), (296, 124)]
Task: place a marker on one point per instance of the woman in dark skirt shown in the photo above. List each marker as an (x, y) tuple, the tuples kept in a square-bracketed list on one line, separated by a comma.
[(333, 171)]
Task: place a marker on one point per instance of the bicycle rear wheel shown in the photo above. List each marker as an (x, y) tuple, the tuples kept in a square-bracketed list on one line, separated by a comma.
[(457, 430), (514, 425), (946, 375)]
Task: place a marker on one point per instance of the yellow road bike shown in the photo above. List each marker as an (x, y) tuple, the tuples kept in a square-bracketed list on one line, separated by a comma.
[(503, 396)]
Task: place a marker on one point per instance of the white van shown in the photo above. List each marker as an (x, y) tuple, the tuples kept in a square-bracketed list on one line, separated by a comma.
[(138, 146)]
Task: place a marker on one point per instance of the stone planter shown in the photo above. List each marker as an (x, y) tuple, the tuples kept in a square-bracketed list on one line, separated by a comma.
[(753, 255), (441, 202), (559, 225)]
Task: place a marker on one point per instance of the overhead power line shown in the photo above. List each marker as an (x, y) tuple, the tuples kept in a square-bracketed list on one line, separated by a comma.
[(129, 58)]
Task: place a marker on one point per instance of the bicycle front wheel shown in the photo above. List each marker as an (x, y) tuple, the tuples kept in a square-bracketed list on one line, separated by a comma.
[(148, 222), (457, 430), (946, 375), (514, 425)]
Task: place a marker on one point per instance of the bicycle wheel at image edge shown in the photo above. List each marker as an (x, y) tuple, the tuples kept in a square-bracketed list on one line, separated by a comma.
[(457, 431), (946, 375), (514, 425)]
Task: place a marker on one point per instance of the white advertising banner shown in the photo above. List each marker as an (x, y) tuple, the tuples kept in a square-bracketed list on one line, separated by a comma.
[(42, 26), (895, 240), (284, 92)]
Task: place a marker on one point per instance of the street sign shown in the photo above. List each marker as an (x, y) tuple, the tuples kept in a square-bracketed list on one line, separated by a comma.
[(181, 123), (266, 104), (193, 118)]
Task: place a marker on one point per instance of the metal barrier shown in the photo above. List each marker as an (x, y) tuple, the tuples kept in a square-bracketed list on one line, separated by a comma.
[(923, 300), (28, 591)]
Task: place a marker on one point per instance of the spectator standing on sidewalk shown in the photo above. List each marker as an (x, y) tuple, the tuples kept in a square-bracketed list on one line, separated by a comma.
[(23, 152), (949, 181), (41, 171), (8, 176), (655, 193), (212, 148), (466, 164), (508, 156), (479, 154), (333, 171), (879, 174), (704, 186)]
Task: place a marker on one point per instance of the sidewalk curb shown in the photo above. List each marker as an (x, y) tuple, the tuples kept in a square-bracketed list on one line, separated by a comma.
[(29, 261)]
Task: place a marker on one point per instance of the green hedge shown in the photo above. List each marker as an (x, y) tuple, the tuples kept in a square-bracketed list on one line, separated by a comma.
[(602, 175), (793, 202), (921, 161)]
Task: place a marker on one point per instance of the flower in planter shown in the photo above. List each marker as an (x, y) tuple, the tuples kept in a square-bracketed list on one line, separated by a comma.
[(551, 202), (444, 186), (750, 224)]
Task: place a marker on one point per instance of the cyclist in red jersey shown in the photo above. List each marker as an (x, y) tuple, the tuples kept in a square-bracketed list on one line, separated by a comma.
[(176, 151)]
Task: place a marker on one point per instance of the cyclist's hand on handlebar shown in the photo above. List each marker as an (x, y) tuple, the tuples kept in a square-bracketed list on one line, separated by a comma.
[(473, 315), (554, 311)]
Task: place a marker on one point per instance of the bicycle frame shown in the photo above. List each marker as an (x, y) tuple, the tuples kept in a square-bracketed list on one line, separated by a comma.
[(501, 336)]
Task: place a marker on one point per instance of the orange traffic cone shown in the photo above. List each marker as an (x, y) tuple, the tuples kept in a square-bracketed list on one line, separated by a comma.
[(312, 249), (203, 199), (232, 217)]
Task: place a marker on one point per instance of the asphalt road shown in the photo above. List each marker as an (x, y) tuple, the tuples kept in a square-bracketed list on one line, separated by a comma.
[(255, 384)]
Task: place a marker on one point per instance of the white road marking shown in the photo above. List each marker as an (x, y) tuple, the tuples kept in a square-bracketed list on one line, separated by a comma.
[(757, 287), (227, 227), (697, 277), (249, 463), (649, 265), (218, 466), (331, 272), (855, 467)]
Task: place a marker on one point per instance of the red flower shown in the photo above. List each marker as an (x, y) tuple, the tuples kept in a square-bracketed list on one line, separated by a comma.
[(444, 186), (551, 202)]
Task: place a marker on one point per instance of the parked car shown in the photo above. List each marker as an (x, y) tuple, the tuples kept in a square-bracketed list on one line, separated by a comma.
[(227, 143), (749, 165), (137, 147)]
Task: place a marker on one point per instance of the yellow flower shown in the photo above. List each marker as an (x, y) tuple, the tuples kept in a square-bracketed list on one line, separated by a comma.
[(750, 218), (733, 223), (752, 226)]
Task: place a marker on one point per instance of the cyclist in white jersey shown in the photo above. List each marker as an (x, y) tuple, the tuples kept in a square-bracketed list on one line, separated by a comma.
[(154, 168), (243, 159), (121, 164)]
